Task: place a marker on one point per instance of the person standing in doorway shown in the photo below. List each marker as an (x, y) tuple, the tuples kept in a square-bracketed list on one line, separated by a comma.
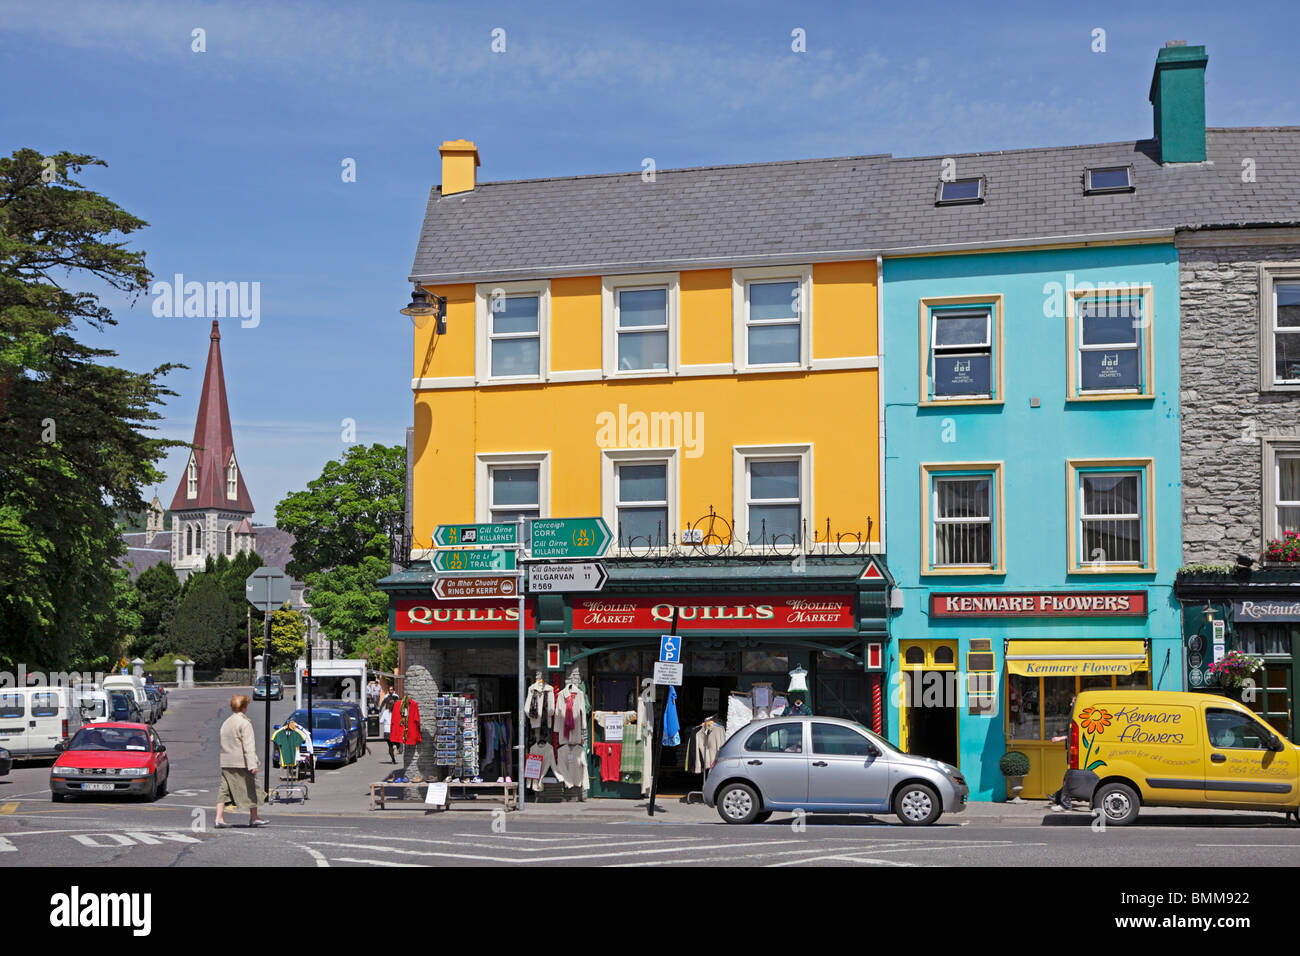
[(238, 765)]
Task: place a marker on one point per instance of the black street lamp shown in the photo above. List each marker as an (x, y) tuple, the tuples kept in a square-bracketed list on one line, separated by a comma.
[(422, 304)]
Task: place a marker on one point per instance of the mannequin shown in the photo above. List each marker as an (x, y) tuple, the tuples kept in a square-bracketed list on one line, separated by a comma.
[(539, 702)]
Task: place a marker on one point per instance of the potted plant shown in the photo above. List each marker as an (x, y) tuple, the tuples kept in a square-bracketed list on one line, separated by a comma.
[(1014, 765), (1284, 550), (1234, 667)]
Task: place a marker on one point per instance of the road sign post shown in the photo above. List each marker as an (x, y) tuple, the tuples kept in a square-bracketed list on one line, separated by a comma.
[(668, 643), (267, 589)]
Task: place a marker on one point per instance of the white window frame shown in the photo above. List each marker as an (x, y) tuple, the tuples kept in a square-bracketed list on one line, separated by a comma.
[(1270, 275), (483, 465), (192, 477), (935, 520), (611, 286), (484, 337), (610, 460), (742, 455), (936, 350), (1274, 451), (232, 479), (740, 282)]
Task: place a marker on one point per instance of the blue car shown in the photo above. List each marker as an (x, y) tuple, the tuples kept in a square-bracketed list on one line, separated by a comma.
[(356, 716), (334, 738)]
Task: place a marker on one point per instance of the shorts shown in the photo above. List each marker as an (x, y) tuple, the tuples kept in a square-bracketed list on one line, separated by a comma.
[(238, 788)]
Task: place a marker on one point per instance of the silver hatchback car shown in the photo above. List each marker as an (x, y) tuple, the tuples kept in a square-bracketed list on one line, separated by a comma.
[(827, 765)]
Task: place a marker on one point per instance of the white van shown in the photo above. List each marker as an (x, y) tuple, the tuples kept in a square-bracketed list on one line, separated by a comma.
[(93, 702), (34, 721), (136, 686)]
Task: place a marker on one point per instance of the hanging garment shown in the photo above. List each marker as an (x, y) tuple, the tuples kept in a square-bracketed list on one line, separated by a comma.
[(571, 766), (287, 740), (570, 715), (547, 753), (672, 730), (707, 741), (611, 759), (645, 716), (406, 722), (539, 704), (489, 741), (740, 711)]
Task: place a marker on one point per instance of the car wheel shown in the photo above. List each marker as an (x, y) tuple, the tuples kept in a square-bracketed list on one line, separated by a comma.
[(739, 803), (151, 794), (352, 755), (1118, 803), (162, 787), (917, 805)]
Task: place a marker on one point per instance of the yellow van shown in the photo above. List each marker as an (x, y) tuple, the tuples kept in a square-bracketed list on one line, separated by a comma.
[(1130, 748)]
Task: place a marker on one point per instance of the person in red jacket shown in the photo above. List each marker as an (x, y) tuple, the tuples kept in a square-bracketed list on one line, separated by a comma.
[(406, 722)]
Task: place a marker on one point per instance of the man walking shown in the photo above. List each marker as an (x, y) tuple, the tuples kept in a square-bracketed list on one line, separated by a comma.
[(238, 765)]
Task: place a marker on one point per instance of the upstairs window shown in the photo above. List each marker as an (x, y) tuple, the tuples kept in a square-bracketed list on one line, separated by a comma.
[(641, 326), (1108, 179), (514, 337), (1111, 525), (772, 323), (515, 493), (192, 478), (1110, 347), (232, 479), (961, 354), (960, 192), (1286, 333)]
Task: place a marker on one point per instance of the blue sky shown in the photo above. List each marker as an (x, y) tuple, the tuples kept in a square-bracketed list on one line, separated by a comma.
[(234, 155)]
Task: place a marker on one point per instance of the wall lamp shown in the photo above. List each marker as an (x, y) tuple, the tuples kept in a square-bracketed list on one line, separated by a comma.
[(423, 305)]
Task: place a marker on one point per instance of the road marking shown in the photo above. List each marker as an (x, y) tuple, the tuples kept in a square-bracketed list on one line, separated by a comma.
[(353, 859), (731, 857), (314, 854), (1257, 846), (844, 858), (150, 840), (91, 839), (8, 807), (6, 846), (533, 849), (541, 859)]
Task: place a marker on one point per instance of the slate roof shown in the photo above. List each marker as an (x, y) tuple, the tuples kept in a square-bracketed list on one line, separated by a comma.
[(274, 545), (859, 206)]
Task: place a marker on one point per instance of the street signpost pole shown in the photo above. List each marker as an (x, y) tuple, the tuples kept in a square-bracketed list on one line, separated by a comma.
[(266, 674), (523, 751), (657, 758)]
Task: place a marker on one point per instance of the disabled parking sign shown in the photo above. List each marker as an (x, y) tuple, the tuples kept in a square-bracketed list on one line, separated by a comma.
[(670, 649)]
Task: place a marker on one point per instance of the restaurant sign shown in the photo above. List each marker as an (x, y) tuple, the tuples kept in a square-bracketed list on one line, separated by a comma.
[(715, 612), (433, 616), (1266, 611), (1039, 604)]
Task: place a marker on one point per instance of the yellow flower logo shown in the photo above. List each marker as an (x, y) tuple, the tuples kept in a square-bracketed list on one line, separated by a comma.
[(1094, 719)]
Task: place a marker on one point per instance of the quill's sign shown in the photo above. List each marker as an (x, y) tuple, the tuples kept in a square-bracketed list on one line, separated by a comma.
[(812, 612)]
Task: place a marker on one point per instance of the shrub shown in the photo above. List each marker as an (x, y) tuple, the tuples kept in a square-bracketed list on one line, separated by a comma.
[(1014, 764)]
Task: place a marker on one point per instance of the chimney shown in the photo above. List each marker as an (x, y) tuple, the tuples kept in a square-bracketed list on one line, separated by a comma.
[(459, 159), (1178, 102)]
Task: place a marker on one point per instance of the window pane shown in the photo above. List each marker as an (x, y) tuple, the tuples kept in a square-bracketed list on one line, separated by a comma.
[(1106, 370), (772, 300), (773, 479), (515, 357), (778, 738), (1058, 697), (1112, 541), (961, 189), (45, 705), (773, 344), (1110, 321), (518, 314), (1229, 730), (766, 522), (643, 307), (1288, 305), (514, 486), (962, 498), (646, 525), (1287, 345), (642, 350), (1105, 494), (963, 544), (969, 374), (961, 328), (1288, 519), (1288, 479), (1022, 703), (1109, 178), (842, 741), (642, 483)]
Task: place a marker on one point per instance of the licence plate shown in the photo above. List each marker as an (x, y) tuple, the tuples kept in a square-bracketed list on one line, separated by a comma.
[(96, 786)]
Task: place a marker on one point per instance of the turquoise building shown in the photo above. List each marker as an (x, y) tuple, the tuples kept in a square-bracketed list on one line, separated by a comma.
[(1033, 502)]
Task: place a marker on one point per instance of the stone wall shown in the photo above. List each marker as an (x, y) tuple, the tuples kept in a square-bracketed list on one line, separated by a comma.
[(1224, 413), (424, 675)]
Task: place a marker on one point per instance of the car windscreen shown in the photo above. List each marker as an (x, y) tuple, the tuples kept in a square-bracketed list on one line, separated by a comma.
[(321, 719), (109, 738)]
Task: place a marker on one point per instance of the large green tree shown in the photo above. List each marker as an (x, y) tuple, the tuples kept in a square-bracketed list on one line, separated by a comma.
[(159, 593), (75, 448), (288, 638), (346, 601), (207, 626), (352, 511)]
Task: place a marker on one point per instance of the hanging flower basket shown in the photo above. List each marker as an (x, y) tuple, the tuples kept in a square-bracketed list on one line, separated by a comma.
[(1234, 667), (1284, 550)]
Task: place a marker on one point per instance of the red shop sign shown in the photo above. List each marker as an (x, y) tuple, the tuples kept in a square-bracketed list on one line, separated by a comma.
[(715, 612), (434, 616), (1039, 604)]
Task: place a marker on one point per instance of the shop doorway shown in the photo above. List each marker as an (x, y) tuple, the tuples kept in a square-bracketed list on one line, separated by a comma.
[(929, 707)]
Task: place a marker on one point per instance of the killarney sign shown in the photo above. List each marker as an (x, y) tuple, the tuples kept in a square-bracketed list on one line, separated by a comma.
[(495, 535), (568, 537)]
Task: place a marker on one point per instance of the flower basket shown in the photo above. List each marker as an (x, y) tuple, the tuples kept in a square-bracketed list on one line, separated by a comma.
[(1284, 550), (1233, 668)]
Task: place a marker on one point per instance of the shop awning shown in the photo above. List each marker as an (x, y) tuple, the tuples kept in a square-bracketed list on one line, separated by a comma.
[(1076, 658)]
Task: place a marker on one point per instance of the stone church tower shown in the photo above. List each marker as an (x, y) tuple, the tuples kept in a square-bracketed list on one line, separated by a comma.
[(211, 508)]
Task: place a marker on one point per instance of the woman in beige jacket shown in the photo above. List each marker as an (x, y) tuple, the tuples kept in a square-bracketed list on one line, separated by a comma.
[(238, 764)]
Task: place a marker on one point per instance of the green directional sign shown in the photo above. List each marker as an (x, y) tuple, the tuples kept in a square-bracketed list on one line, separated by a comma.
[(475, 535), (568, 537), (459, 562)]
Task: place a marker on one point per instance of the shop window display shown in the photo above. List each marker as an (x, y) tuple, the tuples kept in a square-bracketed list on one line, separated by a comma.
[(764, 662), (1038, 708)]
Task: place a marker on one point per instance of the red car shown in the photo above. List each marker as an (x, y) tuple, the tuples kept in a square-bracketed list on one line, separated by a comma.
[(111, 757)]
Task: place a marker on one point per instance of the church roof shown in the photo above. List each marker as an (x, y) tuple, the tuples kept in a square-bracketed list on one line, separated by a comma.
[(214, 444)]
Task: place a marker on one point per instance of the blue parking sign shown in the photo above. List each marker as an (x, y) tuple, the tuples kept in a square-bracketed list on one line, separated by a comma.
[(670, 648)]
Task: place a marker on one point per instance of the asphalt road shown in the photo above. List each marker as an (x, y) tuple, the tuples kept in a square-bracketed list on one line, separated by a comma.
[(177, 830)]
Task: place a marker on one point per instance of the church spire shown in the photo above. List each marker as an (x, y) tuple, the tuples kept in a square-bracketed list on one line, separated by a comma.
[(212, 476)]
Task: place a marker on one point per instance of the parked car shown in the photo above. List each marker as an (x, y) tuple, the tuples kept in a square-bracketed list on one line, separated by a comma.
[(6, 762), (155, 698), (93, 703), (276, 692), (114, 758), (122, 707), (335, 737), (34, 721), (355, 712), (827, 765), (1135, 748), (135, 685)]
